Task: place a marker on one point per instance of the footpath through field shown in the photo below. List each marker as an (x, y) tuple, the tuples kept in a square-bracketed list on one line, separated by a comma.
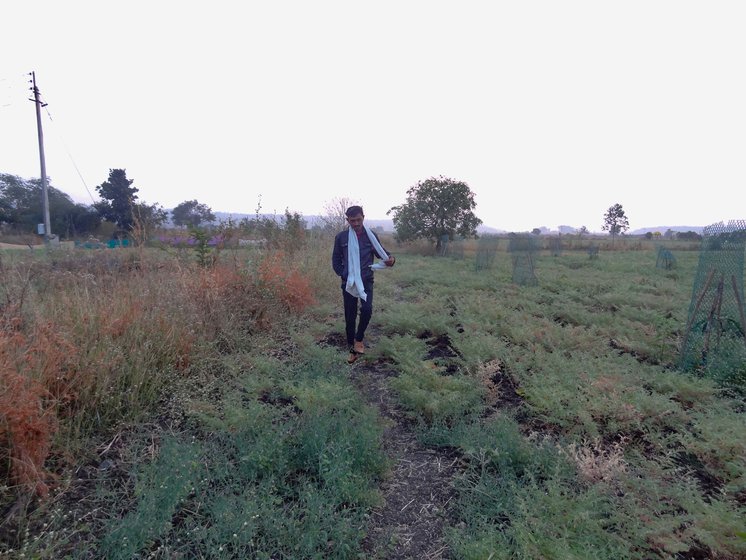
[(418, 493)]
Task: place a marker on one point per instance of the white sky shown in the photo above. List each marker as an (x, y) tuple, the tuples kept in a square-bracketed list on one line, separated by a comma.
[(551, 111)]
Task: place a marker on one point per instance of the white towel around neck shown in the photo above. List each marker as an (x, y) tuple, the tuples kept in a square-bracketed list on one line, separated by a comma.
[(354, 278)]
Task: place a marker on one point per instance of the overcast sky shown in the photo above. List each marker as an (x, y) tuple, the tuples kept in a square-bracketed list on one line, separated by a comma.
[(551, 111)]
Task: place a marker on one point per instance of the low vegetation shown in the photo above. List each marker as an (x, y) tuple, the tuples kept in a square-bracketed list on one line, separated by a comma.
[(585, 440), (154, 406)]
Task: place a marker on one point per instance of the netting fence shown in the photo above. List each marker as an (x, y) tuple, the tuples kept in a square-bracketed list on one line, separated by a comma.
[(715, 335), (665, 259), (523, 249), (487, 246), (453, 248), (555, 246)]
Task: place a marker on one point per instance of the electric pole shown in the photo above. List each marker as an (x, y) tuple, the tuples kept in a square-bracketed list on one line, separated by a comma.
[(44, 188)]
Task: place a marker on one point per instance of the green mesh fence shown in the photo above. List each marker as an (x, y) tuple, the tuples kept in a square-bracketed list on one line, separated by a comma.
[(593, 252), (455, 249), (555, 246), (665, 259), (486, 252), (523, 249), (445, 240), (715, 334)]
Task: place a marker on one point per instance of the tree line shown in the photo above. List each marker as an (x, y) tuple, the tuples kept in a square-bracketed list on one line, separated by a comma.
[(435, 209), (119, 206)]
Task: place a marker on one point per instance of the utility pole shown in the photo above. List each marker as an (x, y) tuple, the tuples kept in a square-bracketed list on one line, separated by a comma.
[(44, 188)]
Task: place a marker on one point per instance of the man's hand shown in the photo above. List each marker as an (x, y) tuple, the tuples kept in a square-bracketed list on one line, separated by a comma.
[(390, 261)]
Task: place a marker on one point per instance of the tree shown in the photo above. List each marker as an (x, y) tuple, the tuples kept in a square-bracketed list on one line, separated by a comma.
[(689, 236), (536, 231), (334, 218), (294, 230), (192, 214), (5, 211), (21, 209), (435, 208), (145, 218), (615, 221), (119, 197), (582, 231)]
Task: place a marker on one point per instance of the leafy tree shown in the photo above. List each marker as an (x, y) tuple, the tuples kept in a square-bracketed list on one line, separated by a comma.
[(689, 236), (80, 220), (192, 214), (21, 209), (434, 208), (615, 221), (583, 231), (118, 199), (261, 227), (5, 211), (536, 231), (16, 204), (146, 218), (294, 230)]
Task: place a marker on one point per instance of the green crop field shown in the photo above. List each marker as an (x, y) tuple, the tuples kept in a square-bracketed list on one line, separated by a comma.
[(171, 410)]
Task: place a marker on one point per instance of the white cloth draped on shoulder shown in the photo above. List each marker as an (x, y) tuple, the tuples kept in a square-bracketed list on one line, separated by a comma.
[(354, 278)]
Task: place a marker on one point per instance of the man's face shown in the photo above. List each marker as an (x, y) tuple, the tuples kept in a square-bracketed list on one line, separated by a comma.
[(356, 222)]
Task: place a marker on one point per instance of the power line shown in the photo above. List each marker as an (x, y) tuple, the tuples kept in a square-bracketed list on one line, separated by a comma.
[(11, 91), (11, 86), (72, 160)]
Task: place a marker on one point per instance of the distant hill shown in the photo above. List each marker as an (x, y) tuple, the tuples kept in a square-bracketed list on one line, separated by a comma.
[(386, 225), (664, 229)]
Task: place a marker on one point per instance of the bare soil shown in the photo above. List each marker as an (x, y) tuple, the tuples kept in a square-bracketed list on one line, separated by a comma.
[(418, 494)]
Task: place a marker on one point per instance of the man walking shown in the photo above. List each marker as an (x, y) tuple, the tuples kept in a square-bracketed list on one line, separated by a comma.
[(353, 261)]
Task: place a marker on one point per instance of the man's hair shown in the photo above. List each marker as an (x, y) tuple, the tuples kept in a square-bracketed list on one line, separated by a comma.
[(354, 211)]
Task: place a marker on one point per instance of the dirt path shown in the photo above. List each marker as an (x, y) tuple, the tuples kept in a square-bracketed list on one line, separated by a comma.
[(418, 494), (19, 247)]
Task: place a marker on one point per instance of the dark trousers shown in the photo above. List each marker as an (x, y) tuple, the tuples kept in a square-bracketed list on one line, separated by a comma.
[(366, 310)]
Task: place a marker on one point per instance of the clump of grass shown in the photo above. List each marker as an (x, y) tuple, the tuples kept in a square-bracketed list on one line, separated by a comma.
[(406, 351), (423, 387), (415, 319), (597, 462), (718, 440), (433, 396), (521, 497), (27, 429), (161, 487)]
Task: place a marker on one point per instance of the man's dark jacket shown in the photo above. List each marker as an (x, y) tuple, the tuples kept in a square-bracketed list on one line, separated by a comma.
[(367, 252)]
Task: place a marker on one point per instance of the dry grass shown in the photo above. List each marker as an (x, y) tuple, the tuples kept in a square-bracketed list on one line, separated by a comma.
[(597, 462), (90, 340)]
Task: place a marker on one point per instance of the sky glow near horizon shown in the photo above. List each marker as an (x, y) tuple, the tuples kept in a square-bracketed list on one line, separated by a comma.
[(550, 111)]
